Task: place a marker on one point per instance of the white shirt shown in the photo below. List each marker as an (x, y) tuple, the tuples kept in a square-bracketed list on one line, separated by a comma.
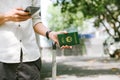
[(14, 37)]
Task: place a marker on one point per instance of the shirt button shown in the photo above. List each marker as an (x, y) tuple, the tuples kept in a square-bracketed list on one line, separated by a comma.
[(20, 40), (19, 25)]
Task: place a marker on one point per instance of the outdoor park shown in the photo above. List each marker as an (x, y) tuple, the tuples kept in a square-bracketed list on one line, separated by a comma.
[(97, 57)]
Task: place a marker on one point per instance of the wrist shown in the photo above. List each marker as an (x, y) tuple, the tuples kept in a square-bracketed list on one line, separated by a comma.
[(3, 18), (48, 34), (6, 17)]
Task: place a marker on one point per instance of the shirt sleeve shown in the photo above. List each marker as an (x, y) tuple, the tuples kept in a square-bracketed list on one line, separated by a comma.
[(37, 16)]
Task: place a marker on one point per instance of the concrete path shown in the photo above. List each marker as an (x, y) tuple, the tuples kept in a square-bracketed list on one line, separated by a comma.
[(82, 68)]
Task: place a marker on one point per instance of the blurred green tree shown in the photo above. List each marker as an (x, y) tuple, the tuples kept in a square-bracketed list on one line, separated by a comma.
[(63, 21), (105, 12), (66, 21)]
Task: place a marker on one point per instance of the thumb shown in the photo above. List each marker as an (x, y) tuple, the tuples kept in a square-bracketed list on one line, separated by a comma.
[(19, 8), (62, 32)]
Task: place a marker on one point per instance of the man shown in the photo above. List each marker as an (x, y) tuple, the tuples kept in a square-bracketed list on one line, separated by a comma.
[(19, 51)]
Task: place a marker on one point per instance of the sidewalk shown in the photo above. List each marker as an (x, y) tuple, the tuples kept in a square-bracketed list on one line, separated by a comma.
[(82, 68)]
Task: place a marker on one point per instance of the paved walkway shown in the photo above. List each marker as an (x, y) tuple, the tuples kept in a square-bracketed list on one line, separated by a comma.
[(82, 68)]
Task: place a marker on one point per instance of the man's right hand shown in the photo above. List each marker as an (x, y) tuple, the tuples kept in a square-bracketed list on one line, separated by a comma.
[(17, 15)]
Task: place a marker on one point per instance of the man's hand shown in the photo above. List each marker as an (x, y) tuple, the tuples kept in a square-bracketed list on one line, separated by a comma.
[(41, 29), (17, 15), (53, 36)]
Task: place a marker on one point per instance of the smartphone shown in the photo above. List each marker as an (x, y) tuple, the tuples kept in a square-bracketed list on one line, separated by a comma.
[(32, 9)]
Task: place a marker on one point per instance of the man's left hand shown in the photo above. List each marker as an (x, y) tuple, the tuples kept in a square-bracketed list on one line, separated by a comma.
[(53, 36)]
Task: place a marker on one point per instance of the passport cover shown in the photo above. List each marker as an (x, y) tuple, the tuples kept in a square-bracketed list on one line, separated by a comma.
[(68, 39)]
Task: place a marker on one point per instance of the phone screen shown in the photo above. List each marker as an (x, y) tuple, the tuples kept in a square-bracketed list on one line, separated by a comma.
[(32, 9)]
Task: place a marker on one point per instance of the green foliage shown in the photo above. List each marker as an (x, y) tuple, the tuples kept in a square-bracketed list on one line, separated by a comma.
[(62, 21), (104, 11)]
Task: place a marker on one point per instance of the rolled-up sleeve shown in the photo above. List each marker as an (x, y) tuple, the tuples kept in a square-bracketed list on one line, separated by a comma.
[(36, 17)]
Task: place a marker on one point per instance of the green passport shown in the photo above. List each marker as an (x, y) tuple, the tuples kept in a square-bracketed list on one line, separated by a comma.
[(68, 39)]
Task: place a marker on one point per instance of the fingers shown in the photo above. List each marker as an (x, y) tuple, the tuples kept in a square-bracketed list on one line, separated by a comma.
[(19, 8), (20, 18), (53, 36), (19, 11), (18, 14), (63, 32), (66, 47), (22, 13)]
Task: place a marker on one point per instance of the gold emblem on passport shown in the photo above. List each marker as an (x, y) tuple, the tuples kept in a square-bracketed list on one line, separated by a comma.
[(68, 39)]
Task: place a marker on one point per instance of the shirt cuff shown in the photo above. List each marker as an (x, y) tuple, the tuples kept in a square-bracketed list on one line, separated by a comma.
[(36, 21)]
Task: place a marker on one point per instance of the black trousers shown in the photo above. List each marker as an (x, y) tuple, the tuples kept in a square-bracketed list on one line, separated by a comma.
[(18, 71)]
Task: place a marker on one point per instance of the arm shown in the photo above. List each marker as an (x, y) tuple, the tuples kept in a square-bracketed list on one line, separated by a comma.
[(41, 29), (3, 19)]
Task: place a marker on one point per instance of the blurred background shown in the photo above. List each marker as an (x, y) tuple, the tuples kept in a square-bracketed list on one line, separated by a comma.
[(97, 23)]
